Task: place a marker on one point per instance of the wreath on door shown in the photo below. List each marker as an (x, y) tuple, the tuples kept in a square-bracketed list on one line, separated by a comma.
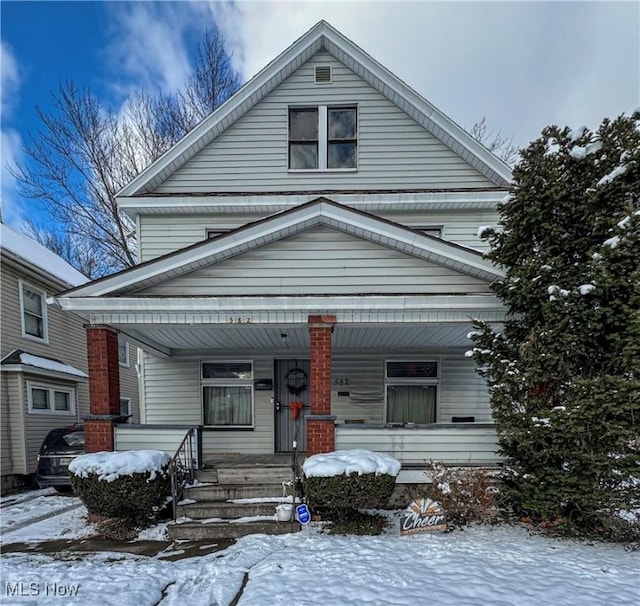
[(296, 381)]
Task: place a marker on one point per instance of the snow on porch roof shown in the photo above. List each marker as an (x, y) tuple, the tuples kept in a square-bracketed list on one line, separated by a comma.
[(21, 358), (270, 229)]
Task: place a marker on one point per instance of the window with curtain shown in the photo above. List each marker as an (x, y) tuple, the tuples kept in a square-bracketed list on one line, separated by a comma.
[(227, 394), (411, 392)]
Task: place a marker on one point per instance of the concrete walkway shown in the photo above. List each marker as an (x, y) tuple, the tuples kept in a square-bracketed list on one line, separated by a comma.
[(166, 550)]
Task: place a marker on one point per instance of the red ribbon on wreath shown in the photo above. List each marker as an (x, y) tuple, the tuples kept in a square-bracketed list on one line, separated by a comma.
[(295, 408)]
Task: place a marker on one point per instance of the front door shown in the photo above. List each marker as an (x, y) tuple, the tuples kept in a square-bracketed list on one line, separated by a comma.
[(291, 387)]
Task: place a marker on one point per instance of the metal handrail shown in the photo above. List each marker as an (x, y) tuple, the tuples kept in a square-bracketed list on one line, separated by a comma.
[(182, 468)]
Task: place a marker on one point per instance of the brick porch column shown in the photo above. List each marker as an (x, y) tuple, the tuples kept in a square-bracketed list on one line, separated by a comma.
[(321, 436), (104, 388)]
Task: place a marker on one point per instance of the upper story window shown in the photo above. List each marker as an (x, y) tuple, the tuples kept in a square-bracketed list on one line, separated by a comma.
[(33, 311), (323, 138)]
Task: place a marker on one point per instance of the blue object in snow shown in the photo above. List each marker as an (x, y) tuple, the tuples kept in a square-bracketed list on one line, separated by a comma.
[(302, 514)]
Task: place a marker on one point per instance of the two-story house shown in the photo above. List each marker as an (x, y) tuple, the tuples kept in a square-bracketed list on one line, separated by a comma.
[(43, 355), (312, 243)]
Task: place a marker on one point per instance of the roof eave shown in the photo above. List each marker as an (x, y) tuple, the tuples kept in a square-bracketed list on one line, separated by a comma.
[(322, 34)]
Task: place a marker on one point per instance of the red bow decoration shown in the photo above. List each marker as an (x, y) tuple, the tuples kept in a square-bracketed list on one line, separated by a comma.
[(295, 408)]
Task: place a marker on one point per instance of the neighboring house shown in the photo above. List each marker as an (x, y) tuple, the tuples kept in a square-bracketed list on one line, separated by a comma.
[(313, 240), (43, 354)]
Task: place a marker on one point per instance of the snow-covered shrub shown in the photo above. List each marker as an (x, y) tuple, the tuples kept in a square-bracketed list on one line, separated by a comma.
[(349, 479), (467, 494), (132, 486)]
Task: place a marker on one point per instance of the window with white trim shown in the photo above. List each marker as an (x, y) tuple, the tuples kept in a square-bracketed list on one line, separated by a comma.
[(123, 352), (51, 399), (411, 391), (227, 393), (125, 408), (323, 137), (33, 311)]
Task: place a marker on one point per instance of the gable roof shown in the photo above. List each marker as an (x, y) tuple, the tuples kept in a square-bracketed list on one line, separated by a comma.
[(39, 258), (321, 36), (253, 235)]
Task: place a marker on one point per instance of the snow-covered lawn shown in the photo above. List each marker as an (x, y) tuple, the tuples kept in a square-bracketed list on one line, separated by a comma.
[(479, 566)]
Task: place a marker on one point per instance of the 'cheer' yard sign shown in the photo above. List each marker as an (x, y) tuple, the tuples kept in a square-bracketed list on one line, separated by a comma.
[(423, 515)]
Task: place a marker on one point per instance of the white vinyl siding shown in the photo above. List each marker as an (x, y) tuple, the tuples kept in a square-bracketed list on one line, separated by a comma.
[(150, 438), (462, 445), (173, 397), (393, 150), (163, 234), (173, 393), (320, 261), (461, 391)]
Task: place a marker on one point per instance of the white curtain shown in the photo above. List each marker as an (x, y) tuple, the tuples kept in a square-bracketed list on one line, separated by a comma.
[(411, 404), (226, 405)]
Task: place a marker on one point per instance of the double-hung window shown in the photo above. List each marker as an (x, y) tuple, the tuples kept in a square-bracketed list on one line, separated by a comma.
[(227, 394), (50, 399), (33, 309), (323, 138), (411, 391)]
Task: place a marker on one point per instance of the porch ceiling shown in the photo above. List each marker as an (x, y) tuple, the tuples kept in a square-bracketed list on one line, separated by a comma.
[(186, 339)]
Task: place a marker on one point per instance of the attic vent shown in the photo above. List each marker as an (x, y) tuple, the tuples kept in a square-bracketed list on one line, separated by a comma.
[(323, 74)]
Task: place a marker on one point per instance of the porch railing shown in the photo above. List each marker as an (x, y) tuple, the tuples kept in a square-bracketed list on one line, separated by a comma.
[(182, 468)]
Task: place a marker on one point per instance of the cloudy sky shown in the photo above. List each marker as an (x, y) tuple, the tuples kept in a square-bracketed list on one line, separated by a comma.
[(522, 65)]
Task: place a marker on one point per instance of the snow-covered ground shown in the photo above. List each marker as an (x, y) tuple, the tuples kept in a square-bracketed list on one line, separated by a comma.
[(499, 566)]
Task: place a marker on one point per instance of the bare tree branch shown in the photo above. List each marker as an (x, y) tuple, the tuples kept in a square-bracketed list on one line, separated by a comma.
[(503, 147), (83, 153)]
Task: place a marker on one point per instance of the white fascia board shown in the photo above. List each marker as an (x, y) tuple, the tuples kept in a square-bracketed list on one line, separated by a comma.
[(434, 249), (376, 202), (289, 223), (263, 82), (432, 113), (44, 372), (270, 76), (193, 258), (195, 305)]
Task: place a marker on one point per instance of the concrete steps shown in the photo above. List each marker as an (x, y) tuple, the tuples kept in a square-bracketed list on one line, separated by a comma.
[(227, 492), (227, 511), (208, 512), (193, 531)]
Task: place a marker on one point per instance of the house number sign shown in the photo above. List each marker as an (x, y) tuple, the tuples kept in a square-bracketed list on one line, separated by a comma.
[(238, 320), (341, 381)]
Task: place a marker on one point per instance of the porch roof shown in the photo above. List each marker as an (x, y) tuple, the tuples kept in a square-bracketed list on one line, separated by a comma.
[(168, 325)]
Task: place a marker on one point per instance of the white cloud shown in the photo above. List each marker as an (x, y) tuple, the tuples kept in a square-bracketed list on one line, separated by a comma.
[(522, 65), (9, 79), (148, 46), (11, 205)]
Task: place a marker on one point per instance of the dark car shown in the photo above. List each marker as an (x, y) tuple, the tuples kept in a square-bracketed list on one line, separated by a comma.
[(58, 449)]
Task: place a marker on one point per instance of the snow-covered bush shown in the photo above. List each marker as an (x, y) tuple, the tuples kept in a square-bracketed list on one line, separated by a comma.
[(467, 494), (349, 479), (564, 371), (132, 486)]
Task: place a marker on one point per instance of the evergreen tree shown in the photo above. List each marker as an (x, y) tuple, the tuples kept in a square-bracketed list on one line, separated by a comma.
[(564, 372)]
